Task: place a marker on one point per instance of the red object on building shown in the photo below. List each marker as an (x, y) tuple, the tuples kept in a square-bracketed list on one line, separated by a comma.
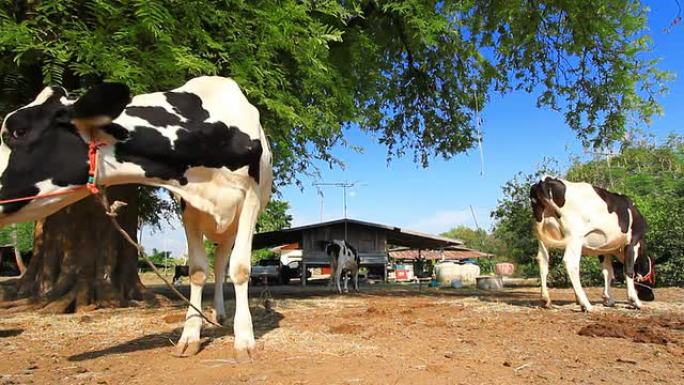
[(401, 274), (326, 270)]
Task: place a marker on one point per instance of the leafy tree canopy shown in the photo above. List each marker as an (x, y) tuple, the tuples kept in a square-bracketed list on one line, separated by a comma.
[(478, 239), (412, 72), (275, 217)]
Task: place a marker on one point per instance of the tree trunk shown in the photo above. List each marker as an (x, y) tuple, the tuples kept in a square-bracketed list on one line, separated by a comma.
[(80, 261)]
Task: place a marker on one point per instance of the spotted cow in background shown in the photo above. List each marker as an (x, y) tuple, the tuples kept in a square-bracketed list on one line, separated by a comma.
[(203, 141), (344, 261), (588, 220)]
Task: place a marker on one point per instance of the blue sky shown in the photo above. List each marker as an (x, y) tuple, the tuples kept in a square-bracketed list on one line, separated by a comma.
[(517, 137)]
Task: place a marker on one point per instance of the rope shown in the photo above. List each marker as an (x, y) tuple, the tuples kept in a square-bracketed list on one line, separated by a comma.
[(265, 297), (111, 212), (478, 123)]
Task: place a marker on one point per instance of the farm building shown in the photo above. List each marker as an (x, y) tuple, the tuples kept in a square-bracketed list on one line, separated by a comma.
[(372, 241)]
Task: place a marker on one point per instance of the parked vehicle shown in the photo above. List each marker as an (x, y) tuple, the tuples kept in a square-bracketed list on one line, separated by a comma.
[(275, 271)]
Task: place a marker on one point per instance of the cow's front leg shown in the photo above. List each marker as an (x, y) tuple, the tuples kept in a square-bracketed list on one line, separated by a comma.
[(239, 273), (346, 281), (356, 279), (607, 272), (189, 342), (630, 258), (543, 260), (571, 258)]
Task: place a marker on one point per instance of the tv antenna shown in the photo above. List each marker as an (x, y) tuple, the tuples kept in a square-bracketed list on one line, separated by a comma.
[(344, 186)]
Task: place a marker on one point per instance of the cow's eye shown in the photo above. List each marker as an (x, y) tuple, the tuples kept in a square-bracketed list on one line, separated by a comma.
[(19, 132)]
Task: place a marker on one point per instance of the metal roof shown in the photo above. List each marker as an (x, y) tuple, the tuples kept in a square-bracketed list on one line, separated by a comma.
[(395, 235), (448, 254)]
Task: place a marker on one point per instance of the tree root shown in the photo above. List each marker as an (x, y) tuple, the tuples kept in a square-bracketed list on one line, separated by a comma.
[(72, 302)]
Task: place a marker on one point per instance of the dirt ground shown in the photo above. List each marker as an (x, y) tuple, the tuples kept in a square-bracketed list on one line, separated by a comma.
[(386, 335)]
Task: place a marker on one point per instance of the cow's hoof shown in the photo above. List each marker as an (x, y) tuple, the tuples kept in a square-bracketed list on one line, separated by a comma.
[(248, 354), (635, 304), (587, 308), (608, 302), (244, 355), (187, 348), (546, 303)]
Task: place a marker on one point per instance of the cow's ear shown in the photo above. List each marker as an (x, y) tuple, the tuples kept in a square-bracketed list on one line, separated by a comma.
[(100, 105)]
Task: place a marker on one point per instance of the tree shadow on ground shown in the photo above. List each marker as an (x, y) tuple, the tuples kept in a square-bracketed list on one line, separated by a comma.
[(264, 321)]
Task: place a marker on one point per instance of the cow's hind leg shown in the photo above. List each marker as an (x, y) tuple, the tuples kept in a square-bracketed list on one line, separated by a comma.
[(338, 277), (356, 279), (571, 258), (189, 343), (222, 254), (543, 260), (630, 258), (240, 267), (607, 272)]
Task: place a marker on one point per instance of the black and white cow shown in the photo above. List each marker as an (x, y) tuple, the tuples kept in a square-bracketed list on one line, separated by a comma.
[(179, 272), (588, 220), (344, 261), (203, 141)]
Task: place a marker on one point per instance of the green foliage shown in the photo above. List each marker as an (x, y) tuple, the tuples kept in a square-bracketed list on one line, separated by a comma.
[(412, 72), (477, 239), (481, 240), (275, 217), (258, 255), (24, 236), (155, 207), (210, 249), (472, 238), (161, 258)]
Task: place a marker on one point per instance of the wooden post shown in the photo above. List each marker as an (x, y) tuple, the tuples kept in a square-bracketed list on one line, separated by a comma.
[(304, 273), (384, 272)]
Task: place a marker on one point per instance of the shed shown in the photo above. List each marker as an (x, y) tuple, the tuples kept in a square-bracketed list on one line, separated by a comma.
[(372, 241)]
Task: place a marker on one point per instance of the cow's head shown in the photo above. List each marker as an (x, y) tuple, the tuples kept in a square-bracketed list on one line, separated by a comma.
[(547, 195), (332, 248), (644, 271), (43, 149)]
